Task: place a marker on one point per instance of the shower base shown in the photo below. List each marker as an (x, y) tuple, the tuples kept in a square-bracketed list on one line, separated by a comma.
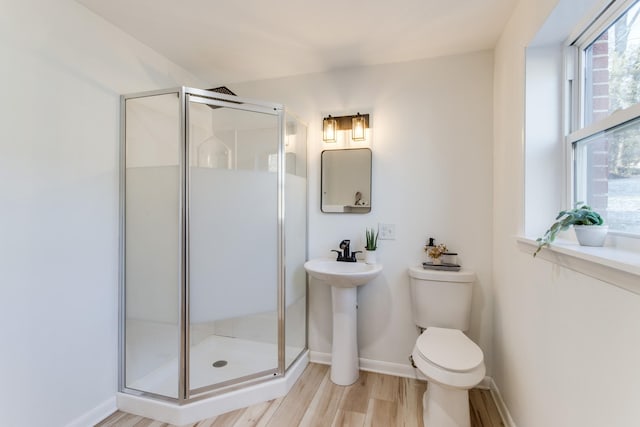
[(243, 357), (174, 413)]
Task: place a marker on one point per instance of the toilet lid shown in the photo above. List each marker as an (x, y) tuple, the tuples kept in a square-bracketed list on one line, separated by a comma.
[(449, 348)]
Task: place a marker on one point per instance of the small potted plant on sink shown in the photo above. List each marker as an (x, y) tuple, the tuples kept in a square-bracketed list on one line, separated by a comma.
[(587, 223), (371, 246)]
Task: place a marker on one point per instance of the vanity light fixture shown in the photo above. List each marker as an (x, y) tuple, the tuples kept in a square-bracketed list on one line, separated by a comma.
[(357, 124), (329, 129), (357, 127)]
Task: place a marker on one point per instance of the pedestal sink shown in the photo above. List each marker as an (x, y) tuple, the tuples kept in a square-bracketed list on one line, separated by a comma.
[(344, 278)]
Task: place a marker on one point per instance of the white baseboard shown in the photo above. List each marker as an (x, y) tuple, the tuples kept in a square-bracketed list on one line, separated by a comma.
[(318, 357), (485, 384), (370, 365), (95, 415), (502, 407), (407, 371)]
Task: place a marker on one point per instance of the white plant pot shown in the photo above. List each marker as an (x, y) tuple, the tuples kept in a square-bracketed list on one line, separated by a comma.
[(591, 235), (370, 257)]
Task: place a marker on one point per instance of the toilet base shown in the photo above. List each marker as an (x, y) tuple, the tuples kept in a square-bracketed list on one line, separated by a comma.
[(445, 406)]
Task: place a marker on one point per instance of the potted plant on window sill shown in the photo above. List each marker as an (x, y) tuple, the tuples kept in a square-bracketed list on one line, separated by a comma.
[(587, 223), (371, 246)]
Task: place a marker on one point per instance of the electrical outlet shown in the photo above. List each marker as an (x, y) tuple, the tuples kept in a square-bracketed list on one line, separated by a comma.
[(386, 231)]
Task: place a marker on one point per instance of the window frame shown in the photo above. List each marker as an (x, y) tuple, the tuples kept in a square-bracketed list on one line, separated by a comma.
[(551, 99), (576, 92)]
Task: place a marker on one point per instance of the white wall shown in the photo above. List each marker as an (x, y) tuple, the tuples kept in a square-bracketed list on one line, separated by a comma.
[(544, 154), (566, 346), (432, 133), (62, 71)]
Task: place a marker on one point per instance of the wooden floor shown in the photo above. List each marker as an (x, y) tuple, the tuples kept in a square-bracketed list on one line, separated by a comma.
[(375, 400)]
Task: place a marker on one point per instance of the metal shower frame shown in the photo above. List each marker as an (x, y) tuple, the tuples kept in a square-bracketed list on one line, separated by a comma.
[(186, 95)]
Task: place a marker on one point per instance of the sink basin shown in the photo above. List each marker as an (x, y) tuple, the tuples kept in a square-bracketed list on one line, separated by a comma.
[(344, 278), (342, 274)]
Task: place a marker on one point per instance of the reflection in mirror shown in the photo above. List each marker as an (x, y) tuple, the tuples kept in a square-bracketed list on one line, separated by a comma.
[(346, 181)]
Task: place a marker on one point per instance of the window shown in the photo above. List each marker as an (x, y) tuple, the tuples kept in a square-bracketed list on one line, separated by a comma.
[(605, 139)]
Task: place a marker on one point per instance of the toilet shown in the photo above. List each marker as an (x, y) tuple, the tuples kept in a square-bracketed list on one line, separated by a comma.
[(451, 362)]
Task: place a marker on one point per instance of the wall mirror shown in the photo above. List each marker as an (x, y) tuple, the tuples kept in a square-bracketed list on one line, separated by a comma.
[(346, 181)]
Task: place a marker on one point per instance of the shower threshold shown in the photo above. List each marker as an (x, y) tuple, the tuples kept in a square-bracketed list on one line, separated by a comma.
[(174, 413)]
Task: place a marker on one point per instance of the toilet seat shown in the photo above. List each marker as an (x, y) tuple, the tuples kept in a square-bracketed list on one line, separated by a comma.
[(449, 357), (450, 349)]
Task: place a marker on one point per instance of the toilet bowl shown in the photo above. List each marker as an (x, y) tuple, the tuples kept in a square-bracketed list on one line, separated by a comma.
[(450, 361), (452, 364)]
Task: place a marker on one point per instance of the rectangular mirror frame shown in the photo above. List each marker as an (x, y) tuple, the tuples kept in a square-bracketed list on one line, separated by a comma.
[(345, 184)]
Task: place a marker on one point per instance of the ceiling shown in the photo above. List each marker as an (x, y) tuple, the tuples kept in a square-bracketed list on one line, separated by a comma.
[(227, 41)]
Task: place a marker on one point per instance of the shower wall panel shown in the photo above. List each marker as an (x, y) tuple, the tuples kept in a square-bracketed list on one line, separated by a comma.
[(152, 236), (152, 241)]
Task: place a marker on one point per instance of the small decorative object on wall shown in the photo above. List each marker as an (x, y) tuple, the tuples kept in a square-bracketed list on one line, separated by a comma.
[(587, 223), (371, 246)]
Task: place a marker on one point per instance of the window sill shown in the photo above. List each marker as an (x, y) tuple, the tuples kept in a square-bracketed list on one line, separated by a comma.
[(619, 267)]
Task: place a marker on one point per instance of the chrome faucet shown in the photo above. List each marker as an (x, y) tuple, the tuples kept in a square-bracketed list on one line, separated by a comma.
[(346, 255)]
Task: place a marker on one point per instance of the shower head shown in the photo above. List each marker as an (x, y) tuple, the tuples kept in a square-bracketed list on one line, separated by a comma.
[(225, 90)]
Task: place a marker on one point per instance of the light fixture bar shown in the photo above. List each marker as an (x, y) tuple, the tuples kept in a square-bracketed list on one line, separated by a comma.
[(357, 124)]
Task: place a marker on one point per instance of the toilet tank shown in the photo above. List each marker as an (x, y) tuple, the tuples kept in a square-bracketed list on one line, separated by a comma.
[(441, 298)]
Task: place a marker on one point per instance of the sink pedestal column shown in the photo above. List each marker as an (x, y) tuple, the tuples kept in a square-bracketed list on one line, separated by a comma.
[(344, 278), (345, 368)]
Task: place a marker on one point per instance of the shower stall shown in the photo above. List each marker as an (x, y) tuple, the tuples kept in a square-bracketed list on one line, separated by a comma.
[(213, 242)]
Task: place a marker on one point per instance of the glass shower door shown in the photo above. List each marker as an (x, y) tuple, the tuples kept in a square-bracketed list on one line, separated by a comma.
[(233, 223)]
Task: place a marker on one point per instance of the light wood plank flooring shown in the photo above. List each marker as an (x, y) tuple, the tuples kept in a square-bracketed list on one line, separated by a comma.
[(314, 401)]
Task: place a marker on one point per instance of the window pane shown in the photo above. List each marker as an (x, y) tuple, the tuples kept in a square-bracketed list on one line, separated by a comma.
[(608, 175), (612, 68)]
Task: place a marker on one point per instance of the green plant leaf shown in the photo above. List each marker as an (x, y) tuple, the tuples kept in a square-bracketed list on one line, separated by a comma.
[(580, 215)]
